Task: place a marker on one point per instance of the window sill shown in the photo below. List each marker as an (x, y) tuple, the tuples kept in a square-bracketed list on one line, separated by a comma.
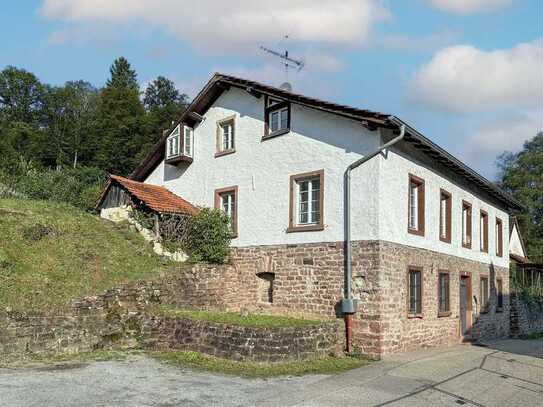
[(310, 228), (414, 316), (224, 152), (275, 134), (416, 232), (445, 239), (444, 314), (466, 245)]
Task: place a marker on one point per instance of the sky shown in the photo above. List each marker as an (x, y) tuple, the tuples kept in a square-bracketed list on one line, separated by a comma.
[(468, 74)]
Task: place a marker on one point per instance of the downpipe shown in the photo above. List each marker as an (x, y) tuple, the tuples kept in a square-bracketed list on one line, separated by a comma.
[(348, 303)]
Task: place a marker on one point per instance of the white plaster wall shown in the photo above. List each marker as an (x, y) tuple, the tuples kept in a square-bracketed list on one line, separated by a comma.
[(261, 169), (515, 245), (394, 175)]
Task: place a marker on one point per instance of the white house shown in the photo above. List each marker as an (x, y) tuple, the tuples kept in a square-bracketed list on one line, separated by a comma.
[(429, 235)]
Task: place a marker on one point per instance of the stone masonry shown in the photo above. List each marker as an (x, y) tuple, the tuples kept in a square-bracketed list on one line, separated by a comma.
[(309, 281)]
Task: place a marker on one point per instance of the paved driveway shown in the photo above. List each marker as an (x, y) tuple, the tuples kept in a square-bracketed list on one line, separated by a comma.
[(506, 373)]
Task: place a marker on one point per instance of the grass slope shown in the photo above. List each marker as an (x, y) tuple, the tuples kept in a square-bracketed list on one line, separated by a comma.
[(51, 253)]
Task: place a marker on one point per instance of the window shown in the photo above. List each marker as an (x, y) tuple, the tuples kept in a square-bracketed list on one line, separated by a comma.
[(306, 201), (499, 237), (499, 288), (227, 200), (483, 228), (414, 297), (484, 294), (466, 224), (444, 294), (172, 143), (416, 206), (187, 142), (277, 117), (445, 215), (225, 136)]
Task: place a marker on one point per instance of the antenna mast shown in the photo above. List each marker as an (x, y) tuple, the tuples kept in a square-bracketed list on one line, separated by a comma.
[(287, 61)]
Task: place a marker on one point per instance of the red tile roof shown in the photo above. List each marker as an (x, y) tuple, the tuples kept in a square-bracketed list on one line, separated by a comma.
[(154, 197)]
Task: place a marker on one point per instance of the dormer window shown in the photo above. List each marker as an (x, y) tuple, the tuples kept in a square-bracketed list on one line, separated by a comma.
[(277, 117), (180, 145), (172, 143), (187, 141)]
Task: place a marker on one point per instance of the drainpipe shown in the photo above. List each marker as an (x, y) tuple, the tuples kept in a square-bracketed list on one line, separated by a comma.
[(348, 304)]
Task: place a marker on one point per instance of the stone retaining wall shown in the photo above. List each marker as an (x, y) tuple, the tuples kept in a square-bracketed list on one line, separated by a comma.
[(526, 318), (241, 342)]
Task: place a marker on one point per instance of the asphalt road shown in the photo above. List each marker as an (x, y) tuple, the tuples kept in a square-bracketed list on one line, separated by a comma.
[(506, 373)]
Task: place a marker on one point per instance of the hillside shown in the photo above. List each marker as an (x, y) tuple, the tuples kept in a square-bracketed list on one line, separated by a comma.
[(51, 253)]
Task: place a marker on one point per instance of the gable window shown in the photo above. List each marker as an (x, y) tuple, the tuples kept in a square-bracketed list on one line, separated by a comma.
[(414, 295), (445, 215), (227, 200), (444, 294), (499, 237), (416, 206), (306, 201), (483, 229), (277, 117), (484, 290), (173, 143), (225, 136), (466, 225), (499, 289), (187, 141)]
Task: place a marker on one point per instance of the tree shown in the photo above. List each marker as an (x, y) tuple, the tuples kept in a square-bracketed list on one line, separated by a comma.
[(522, 176), (21, 96), (119, 138), (163, 103), (122, 75)]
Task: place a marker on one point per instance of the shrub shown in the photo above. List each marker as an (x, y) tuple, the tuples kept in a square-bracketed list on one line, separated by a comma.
[(209, 236)]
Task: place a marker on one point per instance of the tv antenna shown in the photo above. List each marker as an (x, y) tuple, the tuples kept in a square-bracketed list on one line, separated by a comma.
[(286, 60)]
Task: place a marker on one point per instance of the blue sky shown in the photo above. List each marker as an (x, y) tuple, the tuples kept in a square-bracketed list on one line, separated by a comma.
[(466, 73)]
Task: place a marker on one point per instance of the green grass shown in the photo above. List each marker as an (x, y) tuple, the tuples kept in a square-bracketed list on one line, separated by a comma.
[(198, 361), (51, 253), (233, 318)]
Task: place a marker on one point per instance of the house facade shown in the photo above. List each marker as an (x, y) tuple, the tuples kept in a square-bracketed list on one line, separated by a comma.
[(429, 236)]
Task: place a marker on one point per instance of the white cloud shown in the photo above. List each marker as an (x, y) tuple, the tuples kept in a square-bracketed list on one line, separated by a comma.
[(233, 25), (417, 43), (466, 79), (506, 132), (469, 6)]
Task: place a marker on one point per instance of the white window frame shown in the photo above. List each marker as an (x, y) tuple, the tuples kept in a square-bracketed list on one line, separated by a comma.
[(414, 205), (282, 122), (313, 217), (174, 138), (188, 132)]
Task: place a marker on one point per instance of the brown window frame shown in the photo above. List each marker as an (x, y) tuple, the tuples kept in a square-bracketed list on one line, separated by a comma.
[(219, 151), (499, 295), (418, 312), (484, 307), (218, 205), (413, 179), (448, 216), (267, 110), (293, 226), (443, 313), (484, 246), (499, 237), (469, 224)]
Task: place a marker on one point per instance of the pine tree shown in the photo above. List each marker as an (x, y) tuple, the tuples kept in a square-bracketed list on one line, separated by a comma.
[(122, 75)]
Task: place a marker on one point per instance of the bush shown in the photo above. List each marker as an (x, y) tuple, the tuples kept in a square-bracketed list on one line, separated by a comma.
[(79, 187), (209, 237)]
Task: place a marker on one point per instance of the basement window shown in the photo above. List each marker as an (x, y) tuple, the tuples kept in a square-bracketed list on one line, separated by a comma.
[(265, 287), (414, 297), (444, 294), (484, 291)]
